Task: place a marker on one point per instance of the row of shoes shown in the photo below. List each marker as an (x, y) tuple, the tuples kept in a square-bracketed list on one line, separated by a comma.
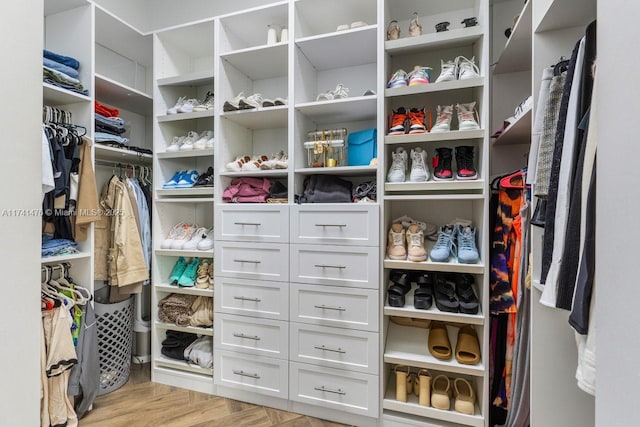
[(187, 274), (278, 160), (192, 141), (355, 24), (435, 392), (414, 122), (251, 102), (459, 68), (189, 237), (415, 28), (467, 351), (190, 179), (277, 34), (441, 161), (191, 105), (453, 292), (340, 92)]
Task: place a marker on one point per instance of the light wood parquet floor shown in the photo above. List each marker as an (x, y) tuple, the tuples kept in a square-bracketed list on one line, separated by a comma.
[(141, 403)]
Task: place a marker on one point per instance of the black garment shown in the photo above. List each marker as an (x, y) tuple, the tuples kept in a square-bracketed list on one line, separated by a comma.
[(498, 415), (113, 130), (278, 191)]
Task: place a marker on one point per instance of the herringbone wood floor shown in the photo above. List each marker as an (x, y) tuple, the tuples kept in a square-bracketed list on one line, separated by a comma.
[(141, 403)]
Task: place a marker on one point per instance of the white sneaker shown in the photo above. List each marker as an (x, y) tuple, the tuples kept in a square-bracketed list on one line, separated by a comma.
[(419, 168), (273, 161), (201, 143), (467, 116), (179, 102), (192, 243), (340, 92), (236, 165), (467, 68), (206, 104), (187, 144), (398, 170), (175, 144), (448, 71), (443, 120), (254, 163), (233, 104), (174, 233), (250, 102), (210, 142), (188, 105), (207, 241), (186, 233)]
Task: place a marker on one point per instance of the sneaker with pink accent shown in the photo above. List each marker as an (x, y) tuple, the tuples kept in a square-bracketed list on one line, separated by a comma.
[(443, 120), (419, 76)]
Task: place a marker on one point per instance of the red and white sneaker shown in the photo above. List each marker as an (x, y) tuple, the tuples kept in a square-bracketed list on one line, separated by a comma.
[(236, 165), (417, 121), (442, 165), (398, 122)]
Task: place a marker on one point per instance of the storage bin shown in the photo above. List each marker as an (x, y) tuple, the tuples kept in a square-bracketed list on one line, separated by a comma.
[(362, 147)]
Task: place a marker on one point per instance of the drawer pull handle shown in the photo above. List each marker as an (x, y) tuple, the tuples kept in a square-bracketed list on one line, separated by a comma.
[(331, 225), (335, 350), (249, 337), (249, 261), (246, 374), (327, 307), (248, 299), (328, 390), (255, 224), (340, 267)]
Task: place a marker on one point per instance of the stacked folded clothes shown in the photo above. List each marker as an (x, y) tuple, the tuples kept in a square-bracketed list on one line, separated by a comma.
[(255, 190), (189, 348), (55, 247), (176, 343), (62, 71), (109, 126), (186, 310)]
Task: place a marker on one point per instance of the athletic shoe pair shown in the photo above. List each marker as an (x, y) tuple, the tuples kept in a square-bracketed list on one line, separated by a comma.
[(242, 102), (193, 141), (189, 237), (198, 273), (190, 105), (458, 240), (414, 121)]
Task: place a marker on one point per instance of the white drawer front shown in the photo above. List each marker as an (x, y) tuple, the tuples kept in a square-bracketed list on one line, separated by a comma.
[(335, 348), (265, 337), (330, 306), (265, 261), (343, 225), (256, 298), (334, 388), (252, 373), (265, 223), (352, 266)]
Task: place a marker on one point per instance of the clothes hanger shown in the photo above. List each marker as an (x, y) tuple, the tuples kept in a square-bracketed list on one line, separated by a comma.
[(561, 66), (507, 182)]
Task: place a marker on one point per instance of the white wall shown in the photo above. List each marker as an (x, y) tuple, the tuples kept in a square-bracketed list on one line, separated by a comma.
[(20, 165)]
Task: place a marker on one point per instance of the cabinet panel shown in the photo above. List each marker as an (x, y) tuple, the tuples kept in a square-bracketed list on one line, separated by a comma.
[(266, 223), (239, 333), (256, 298), (348, 225), (251, 373), (264, 261)]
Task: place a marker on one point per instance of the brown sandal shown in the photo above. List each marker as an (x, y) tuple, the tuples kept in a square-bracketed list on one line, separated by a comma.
[(439, 345), (467, 347)]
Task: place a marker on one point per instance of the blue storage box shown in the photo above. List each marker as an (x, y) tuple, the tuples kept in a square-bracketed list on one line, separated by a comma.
[(362, 146)]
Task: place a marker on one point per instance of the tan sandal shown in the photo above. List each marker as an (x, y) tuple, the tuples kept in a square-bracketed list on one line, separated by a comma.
[(403, 382), (441, 394), (424, 385), (465, 401), (467, 347), (411, 321), (439, 345)]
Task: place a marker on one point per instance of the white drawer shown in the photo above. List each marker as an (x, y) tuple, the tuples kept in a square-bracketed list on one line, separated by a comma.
[(256, 298), (266, 337), (260, 261), (335, 348), (330, 306), (333, 224), (264, 223), (252, 373), (346, 391), (353, 266)]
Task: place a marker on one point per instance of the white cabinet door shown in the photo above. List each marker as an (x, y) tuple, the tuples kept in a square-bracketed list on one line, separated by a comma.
[(332, 224), (269, 338), (256, 298), (258, 261), (264, 223), (251, 373)]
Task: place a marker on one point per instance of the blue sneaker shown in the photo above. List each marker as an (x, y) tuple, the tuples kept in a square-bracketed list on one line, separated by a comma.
[(467, 251), (190, 274), (187, 180), (174, 180), (177, 271), (399, 79), (445, 245)]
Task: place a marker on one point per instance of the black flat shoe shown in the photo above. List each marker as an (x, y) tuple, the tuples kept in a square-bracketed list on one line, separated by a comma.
[(445, 293), (467, 298)]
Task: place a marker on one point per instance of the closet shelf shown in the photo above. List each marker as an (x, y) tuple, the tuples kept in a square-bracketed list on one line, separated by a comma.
[(186, 154), (436, 196), (63, 258), (516, 55), (52, 7), (340, 171), (164, 287), (562, 14), (518, 132), (455, 185), (54, 96), (185, 192), (432, 313), (407, 345), (453, 266), (197, 78), (114, 154), (184, 200), (187, 329), (182, 366), (435, 87), (185, 116), (110, 92), (274, 173), (261, 62), (340, 49), (183, 253), (340, 110), (262, 118), (454, 135), (432, 41)]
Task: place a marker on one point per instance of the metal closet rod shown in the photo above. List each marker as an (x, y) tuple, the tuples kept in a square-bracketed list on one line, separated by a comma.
[(120, 164)]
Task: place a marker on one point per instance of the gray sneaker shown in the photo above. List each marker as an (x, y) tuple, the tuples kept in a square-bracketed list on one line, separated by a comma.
[(445, 245), (467, 251)]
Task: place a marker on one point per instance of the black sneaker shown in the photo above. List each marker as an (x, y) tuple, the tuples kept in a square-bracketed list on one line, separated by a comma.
[(464, 161), (442, 164), (205, 179)]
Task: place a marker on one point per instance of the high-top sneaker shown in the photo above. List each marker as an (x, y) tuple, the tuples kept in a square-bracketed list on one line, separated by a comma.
[(419, 169), (397, 171), (448, 71), (464, 162), (398, 121), (467, 116), (415, 244), (467, 68), (443, 121), (417, 121), (396, 245), (442, 165), (419, 76), (467, 251)]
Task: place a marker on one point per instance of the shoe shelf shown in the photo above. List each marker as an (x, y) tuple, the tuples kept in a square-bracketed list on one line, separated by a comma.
[(171, 289), (183, 253), (407, 345), (185, 200), (185, 192), (114, 154), (435, 87), (436, 196), (444, 40), (187, 329), (341, 110), (197, 78), (518, 132), (432, 313), (185, 116), (53, 96), (453, 266), (516, 55), (208, 152), (340, 49), (261, 62), (260, 118), (112, 92), (454, 135), (63, 258), (182, 366), (273, 173), (455, 185), (340, 171)]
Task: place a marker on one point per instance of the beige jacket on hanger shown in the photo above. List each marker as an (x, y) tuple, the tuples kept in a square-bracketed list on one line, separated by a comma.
[(87, 205)]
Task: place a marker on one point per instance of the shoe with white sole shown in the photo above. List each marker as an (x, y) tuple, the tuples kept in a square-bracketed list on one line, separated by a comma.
[(251, 102), (175, 144), (210, 143), (273, 162), (174, 180), (464, 162), (467, 68), (445, 245), (399, 79), (184, 235), (233, 104), (415, 244), (398, 122), (419, 168), (398, 170), (188, 179), (207, 241), (467, 116), (419, 76), (206, 104), (236, 165), (174, 233), (467, 251), (188, 142), (179, 102), (417, 121), (448, 71), (201, 143), (442, 164), (188, 106), (254, 163), (443, 120), (192, 243), (396, 244)]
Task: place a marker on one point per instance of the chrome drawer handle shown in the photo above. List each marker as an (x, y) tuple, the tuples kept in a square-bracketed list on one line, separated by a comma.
[(249, 337), (328, 390), (246, 374), (327, 307), (331, 225), (249, 261), (331, 266), (335, 350), (248, 299), (255, 224)]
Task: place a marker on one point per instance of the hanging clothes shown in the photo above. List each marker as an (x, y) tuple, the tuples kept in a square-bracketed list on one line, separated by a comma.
[(87, 207)]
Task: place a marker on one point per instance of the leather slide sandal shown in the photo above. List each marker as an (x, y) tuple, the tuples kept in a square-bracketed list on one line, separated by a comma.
[(465, 399), (396, 295), (439, 345), (467, 347), (423, 297), (467, 298), (441, 393), (445, 294), (411, 321)]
